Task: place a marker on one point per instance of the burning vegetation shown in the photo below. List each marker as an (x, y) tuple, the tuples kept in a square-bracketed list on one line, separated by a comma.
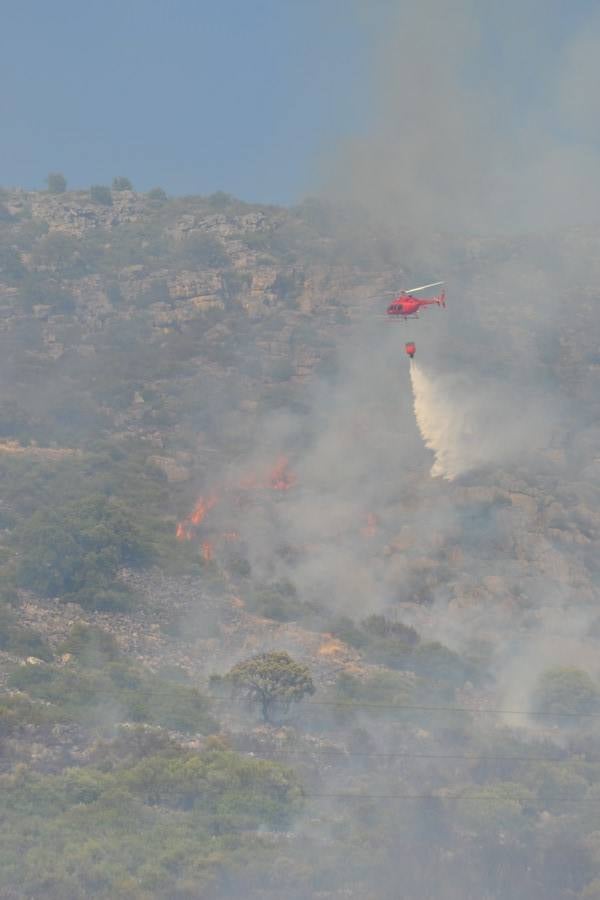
[(186, 529), (278, 478), (369, 529)]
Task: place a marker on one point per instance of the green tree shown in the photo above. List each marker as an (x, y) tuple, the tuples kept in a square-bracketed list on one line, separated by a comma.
[(11, 264), (566, 690), (271, 680), (157, 194), (61, 253), (78, 549), (203, 250), (57, 183), (90, 645), (100, 193), (19, 640), (120, 183), (36, 289), (220, 200)]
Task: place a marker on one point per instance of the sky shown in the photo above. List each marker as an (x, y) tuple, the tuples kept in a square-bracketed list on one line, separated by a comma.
[(254, 96), (189, 95)]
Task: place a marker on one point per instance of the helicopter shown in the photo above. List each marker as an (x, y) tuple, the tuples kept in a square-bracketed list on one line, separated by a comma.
[(405, 306)]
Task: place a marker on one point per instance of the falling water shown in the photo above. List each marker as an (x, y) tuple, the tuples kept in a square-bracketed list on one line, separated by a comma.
[(443, 425)]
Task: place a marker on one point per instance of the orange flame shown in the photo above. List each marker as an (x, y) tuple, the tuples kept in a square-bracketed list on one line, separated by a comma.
[(208, 551), (185, 529), (280, 478), (201, 508), (369, 530)]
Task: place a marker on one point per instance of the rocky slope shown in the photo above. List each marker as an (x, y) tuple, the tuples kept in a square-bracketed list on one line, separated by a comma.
[(214, 377)]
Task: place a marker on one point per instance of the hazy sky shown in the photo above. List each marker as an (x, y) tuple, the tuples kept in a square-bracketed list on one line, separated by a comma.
[(247, 96), (196, 96)]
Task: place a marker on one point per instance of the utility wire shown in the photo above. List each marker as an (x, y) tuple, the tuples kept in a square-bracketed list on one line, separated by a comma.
[(342, 704), (455, 709), (336, 754), (483, 798)]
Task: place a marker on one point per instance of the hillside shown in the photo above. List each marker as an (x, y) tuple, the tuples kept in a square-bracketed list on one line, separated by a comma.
[(212, 446)]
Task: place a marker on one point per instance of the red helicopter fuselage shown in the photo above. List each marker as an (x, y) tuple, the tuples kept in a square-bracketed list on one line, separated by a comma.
[(406, 306)]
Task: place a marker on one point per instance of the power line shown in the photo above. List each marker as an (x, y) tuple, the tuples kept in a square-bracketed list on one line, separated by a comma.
[(448, 756), (341, 754), (344, 704), (483, 798)]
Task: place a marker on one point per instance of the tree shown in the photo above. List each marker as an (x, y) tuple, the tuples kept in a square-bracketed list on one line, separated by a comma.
[(120, 183), (77, 550), (220, 200), (100, 193), (57, 183), (61, 253), (270, 680), (157, 194), (203, 250), (36, 289), (566, 691), (11, 264)]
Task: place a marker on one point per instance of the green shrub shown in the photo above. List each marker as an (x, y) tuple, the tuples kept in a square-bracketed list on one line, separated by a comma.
[(90, 645), (114, 293), (384, 688), (77, 550), (203, 250), (120, 183), (157, 194), (17, 713), (36, 289), (57, 183), (438, 663), (282, 370), (11, 265), (20, 640), (115, 691), (566, 691), (379, 626), (220, 200), (100, 193), (173, 824), (279, 600), (381, 640), (61, 253), (15, 422), (289, 285)]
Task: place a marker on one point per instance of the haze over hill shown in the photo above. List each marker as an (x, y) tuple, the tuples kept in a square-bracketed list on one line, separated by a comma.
[(283, 613), (211, 451)]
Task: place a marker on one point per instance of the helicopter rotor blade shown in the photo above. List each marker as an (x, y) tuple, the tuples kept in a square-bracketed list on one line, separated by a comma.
[(423, 287), (382, 293)]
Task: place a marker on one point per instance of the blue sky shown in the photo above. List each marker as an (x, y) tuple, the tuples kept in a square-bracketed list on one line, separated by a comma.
[(247, 96), (238, 95)]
